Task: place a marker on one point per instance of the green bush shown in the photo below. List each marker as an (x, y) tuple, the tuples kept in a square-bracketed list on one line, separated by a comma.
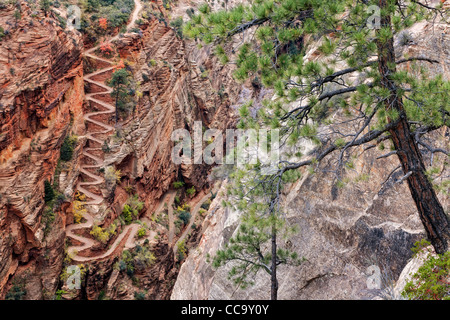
[(139, 295), (141, 232), (17, 291), (431, 281), (131, 209), (178, 184), (184, 216), (181, 250), (191, 191), (177, 25), (127, 214)]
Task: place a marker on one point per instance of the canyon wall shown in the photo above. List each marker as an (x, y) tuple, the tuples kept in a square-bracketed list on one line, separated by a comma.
[(41, 100)]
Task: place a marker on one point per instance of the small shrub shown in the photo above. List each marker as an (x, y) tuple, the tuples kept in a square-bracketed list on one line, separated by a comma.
[(141, 232), (59, 293), (103, 235), (191, 191), (17, 291), (184, 216), (131, 209), (139, 295), (127, 214), (78, 207), (431, 281), (178, 184), (190, 12), (101, 295), (177, 26), (112, 177), (205, 205), (181, 250)]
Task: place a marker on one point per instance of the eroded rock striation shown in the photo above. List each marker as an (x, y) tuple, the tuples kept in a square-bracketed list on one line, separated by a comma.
[(41, 99)]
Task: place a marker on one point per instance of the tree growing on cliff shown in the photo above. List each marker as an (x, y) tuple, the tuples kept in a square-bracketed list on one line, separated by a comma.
[(356, 38), (49, 194), (45, 6), (255, 248), (119, 82)]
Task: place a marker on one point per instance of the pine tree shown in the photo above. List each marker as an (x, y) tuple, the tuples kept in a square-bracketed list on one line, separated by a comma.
[(390, 104), (119, 82), (49, 194)]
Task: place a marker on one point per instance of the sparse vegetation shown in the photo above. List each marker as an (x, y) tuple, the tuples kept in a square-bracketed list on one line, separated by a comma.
[(432, 280), (134, 260), (178, 184), (103, 235), (17, 291), (191, 191), (131, 209)]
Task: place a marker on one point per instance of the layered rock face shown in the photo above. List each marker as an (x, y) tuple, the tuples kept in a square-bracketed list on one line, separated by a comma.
[(346, 235), (41, 99), (175, 94)]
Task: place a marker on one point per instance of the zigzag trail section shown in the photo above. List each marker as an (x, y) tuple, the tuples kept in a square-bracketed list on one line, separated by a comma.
[(126, 239), (95, 199)]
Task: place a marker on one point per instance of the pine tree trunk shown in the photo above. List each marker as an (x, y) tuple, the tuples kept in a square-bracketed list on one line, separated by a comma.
[(430, 210), (274, 281)]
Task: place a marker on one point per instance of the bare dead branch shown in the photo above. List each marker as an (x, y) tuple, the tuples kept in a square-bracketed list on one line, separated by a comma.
[(404, 177), (387, 155)]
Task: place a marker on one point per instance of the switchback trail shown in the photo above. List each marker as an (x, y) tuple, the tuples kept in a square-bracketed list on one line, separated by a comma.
[(95, 138)]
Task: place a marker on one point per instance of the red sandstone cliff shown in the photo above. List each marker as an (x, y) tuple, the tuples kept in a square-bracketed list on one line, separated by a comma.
[(41, 98)]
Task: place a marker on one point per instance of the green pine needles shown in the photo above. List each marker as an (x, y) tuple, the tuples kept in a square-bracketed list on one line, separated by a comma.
[(432, 280), (248, 251)]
